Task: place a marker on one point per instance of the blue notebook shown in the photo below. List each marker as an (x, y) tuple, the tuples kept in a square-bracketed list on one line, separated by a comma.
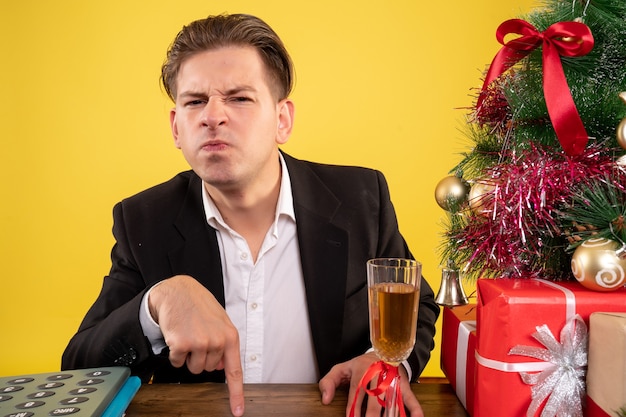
[(119, 404)]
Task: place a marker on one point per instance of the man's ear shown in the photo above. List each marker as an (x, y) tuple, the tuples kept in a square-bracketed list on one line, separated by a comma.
[(286, 110), (174, 127)]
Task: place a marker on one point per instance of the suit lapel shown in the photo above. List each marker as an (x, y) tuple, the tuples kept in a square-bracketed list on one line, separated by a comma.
[(324, 254), (198, 254)]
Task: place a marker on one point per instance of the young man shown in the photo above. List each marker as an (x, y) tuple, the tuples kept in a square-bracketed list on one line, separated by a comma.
[(251, 267)]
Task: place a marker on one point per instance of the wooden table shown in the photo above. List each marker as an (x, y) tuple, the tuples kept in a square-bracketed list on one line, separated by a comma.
[(207, 400)]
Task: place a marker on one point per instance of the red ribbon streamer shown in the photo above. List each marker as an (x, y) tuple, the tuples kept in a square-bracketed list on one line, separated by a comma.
[(386, 374), (594, 410), (569, 39)]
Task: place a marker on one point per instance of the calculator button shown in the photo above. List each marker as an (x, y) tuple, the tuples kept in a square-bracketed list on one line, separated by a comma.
[(58, 377), (12, 388), (73, 400), (50, 385), (98, 373), (40, 394), (80, 391), (5, 397), (20, 414), (29, 404), (64, 411), (92, 381), (24, 380)]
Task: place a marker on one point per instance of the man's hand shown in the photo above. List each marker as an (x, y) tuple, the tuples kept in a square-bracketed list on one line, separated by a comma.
[(351, 372), (198, 332)]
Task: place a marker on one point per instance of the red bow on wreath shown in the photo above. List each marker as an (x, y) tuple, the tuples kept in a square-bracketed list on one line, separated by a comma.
[(569, 39)]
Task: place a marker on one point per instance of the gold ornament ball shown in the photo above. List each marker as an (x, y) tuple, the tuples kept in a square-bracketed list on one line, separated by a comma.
[(621, 133), (621, 128), (451, 190), (481, 197), (596, 265)]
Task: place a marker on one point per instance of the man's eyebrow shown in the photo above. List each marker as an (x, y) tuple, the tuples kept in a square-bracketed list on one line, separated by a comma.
[(191, 94), (228, 92), (239, 89)]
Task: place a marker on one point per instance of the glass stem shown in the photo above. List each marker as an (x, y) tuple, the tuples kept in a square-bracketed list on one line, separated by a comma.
[(391, 400)]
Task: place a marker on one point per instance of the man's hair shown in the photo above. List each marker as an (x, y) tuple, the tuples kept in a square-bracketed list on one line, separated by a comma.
[(230, 30)]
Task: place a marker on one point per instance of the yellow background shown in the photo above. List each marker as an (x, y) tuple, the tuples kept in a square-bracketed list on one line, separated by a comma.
[(85, 124)]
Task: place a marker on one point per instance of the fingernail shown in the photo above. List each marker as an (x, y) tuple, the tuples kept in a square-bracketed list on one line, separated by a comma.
[(324, 397), (238, 411)]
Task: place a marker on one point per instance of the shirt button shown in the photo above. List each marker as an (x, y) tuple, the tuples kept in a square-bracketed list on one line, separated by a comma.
[(253, 358), (243, 256), (254, 306)]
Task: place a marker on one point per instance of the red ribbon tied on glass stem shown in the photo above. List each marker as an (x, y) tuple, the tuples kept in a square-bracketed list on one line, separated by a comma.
[(386, 374), (570, 39)]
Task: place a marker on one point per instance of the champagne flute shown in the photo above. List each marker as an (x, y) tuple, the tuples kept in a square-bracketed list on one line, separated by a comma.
[(393, 294)]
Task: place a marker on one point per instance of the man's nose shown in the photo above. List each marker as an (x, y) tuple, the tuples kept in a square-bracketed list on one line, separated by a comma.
[(214, 113)]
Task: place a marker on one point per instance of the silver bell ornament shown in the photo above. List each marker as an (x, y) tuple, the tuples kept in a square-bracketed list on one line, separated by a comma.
[(451, 293)]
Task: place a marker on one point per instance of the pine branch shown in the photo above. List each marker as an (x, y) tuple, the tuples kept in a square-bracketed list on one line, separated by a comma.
[(597, 209)]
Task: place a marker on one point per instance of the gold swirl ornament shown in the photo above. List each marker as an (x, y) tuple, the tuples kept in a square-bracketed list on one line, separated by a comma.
[(597, 265)]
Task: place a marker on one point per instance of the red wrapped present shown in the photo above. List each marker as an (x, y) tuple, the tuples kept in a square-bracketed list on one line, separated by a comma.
[(529, 332), (458, 345), (606, 371)]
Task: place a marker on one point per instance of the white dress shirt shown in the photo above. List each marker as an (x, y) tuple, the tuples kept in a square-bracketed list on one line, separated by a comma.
[(266, 300)]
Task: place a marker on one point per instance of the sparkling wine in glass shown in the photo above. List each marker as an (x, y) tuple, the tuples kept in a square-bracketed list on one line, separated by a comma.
[(394, 292)]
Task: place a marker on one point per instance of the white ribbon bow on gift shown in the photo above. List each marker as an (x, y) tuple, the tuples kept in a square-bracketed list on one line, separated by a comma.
[(563, 381)]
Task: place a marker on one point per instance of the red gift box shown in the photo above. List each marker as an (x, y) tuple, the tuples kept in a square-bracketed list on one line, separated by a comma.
[(509, 312), (458, 345)]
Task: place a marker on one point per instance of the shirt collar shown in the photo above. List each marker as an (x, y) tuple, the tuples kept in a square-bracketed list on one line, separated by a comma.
[(284, 205)]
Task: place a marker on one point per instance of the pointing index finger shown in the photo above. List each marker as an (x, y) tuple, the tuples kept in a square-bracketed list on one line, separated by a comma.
[(234, 379)]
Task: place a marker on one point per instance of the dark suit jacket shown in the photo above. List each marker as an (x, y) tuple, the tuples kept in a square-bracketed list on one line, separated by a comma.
[(344, 217)]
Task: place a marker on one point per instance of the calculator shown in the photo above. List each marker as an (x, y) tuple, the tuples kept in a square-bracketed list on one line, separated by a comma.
[(93, 392)]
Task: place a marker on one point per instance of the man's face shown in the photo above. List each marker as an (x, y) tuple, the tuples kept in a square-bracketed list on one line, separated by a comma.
[(227, 122)]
